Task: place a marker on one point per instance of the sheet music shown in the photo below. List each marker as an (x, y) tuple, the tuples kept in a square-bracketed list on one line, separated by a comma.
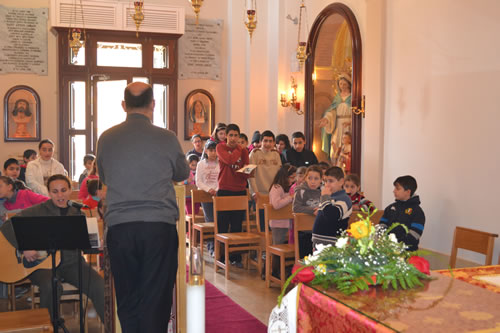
[(93, 229)]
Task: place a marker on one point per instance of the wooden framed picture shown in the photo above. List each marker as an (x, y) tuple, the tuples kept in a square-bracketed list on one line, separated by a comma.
[(199, 114), (21, 114)]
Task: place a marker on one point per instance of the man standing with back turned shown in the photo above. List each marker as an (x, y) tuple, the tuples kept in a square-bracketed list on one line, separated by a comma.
[(138, 162)]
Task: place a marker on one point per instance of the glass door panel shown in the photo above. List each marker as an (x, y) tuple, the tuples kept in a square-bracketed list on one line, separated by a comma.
[(161, 95), (78, 149), (77, 105), (109, 110)]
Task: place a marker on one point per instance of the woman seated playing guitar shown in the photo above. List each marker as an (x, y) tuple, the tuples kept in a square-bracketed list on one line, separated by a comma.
[(59, 188)]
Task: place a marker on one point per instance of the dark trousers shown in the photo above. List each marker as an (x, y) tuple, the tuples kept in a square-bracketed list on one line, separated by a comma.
[(230, 221), (208, 211), (143, 257), (92, 282)]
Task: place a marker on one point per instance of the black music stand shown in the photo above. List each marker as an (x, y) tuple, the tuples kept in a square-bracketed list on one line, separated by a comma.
[(52, 233)]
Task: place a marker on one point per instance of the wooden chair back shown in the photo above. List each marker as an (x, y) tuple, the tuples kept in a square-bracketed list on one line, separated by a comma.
[(275, 214), (472, 240), (199, 196), (74, 196), (224, 204), (375, 218), (301, 222), (260, 201)]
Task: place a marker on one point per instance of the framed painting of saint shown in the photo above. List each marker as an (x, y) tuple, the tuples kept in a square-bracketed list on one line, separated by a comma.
[(21, 114), (199, 114)]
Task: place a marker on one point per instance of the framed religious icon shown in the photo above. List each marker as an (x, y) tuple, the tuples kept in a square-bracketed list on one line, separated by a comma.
[(199, 114), (21, 114)]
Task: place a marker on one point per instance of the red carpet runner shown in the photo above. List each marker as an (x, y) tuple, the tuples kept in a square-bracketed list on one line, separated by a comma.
[(222, 314)]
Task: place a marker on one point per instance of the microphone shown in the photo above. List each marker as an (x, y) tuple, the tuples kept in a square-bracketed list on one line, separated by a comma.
[(76, 205)]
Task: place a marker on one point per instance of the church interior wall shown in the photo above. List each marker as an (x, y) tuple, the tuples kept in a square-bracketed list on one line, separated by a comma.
[(430, 80)]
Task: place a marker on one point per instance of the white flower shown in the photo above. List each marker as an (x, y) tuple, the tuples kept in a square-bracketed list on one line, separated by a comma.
[(320, 248), (310, 259), (341, 242), (393, 238)]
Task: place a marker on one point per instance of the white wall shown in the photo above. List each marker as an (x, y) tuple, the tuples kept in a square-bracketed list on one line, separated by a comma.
[(441, 113), (45, 86)]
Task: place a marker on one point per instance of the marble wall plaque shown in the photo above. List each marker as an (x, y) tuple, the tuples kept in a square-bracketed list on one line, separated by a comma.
[(200, 50), (23, 41)]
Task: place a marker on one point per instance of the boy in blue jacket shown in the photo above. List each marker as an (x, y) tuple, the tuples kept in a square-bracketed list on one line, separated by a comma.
[(407, 211), (334, 209)]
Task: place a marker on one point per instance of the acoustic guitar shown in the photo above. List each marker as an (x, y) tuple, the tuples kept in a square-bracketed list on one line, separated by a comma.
[(14, 267)]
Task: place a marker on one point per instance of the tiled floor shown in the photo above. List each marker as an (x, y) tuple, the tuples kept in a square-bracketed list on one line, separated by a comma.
[(245, 287)]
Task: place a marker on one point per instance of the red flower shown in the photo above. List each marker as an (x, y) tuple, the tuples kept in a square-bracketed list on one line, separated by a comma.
[(305, 276), (420, 263)]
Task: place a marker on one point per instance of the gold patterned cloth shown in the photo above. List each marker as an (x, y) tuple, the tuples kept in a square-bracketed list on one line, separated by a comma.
[(473, 275), (442, 305)]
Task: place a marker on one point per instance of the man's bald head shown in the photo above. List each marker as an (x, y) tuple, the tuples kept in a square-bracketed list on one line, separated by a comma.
[(138, 95)]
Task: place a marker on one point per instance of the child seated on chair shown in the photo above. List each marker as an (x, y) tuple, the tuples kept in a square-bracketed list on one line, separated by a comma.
[(94, 187), (352, 186), (12, 169), (406, 211), (84, 193), (279, 197), (28, 156), (88, 162), (306, 200), (334, 209), (17, 198), (207, 173), (193, 162)]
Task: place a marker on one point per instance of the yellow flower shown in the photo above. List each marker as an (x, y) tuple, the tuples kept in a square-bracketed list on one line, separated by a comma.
[(359, 229)]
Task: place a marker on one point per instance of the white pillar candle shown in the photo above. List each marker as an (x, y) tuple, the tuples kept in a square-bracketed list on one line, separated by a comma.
[(196, 309)]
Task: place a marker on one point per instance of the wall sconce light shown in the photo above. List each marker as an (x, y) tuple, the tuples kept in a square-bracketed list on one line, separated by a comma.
[(291, 99), (361, 110)]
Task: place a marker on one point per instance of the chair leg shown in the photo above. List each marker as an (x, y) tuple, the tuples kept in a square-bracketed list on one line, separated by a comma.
[(282, 270), (217, 253), (202, 243), (269, 265), (226, 255), (12, 296), (259, 261)]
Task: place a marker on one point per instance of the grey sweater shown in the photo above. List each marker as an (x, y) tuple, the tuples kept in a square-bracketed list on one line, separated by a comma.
[(138, 162)]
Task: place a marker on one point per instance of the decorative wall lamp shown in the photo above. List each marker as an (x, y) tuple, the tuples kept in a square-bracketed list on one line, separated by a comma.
[(251, 16), (138, 15), (361, 110), (291, 99), (302, 42), (196, 4), (75, 41)]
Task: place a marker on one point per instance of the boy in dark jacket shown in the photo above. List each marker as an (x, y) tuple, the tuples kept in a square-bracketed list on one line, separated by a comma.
[(406, 210), (334, 209), (299, 155)]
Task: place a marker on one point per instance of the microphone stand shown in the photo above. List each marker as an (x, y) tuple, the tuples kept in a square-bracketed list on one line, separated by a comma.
[(57, 321)]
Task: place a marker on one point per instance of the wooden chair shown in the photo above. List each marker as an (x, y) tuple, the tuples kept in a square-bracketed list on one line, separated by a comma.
[(203, 230), (26, 321), (74, 196), (375, 218), (260, 201), (285, 252), (301, 222), (472, 240), (192, 218), (236, 241)]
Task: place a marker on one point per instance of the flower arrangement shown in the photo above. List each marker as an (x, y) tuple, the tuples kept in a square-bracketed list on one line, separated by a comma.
[(364, 255)]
